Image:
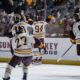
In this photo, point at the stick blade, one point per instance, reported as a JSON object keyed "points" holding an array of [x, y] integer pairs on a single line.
{"points": [[58, 59]]}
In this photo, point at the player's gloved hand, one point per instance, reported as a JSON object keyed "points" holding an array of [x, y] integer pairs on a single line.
{"points": [[73, 41], [42, 51]]}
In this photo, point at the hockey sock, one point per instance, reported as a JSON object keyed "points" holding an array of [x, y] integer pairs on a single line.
{"points": [[25, 71], [8, 71]]}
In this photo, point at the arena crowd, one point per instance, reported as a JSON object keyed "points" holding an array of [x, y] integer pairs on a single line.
{"points": [[61, 13]]}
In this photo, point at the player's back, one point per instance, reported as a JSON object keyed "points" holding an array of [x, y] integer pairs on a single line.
{"points": [[22, 24], [22, 44], [39, 29]]}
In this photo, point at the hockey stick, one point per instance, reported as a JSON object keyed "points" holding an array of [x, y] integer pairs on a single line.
{"points": [[64, 53]]}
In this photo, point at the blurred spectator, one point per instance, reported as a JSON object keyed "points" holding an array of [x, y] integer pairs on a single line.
{"points": [[19, 5], [2, 21], [8, 24], [61, 6], [54, 27], [40, 9], [29, 2], [77, 2], [52, 18], [68, 23], [70, 5], [34, 2], [59, 2], [7, 5]]}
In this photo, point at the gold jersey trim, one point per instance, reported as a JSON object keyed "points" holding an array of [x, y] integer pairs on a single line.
{"points": [[23, 51], [39, 35]]}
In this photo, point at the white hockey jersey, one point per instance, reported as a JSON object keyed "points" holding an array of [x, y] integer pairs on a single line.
{"points": [[39, 29], [21, 24], [22, 45], [76, 31]]}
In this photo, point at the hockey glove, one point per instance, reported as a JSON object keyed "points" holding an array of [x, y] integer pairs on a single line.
{"points": [[42, 51], [72, 41]]}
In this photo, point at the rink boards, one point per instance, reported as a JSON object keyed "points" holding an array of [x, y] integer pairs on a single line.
{"points": [[55, 47]]}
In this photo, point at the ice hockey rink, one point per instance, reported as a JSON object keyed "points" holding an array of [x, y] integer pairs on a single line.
{"points": [[45, 72]]}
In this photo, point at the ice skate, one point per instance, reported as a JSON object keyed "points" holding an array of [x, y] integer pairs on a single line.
{"points": [[6, 78], [25, 76]]}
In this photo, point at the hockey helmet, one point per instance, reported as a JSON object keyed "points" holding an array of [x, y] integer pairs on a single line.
{"points": [[30, 21]]}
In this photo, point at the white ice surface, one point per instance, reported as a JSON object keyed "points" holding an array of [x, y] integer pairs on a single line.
{"points": [[44, 72]]}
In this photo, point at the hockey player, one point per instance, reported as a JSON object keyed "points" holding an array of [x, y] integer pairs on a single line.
{"points": [[20, 22], [22, 44], [39, 31], [76, 31]]}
